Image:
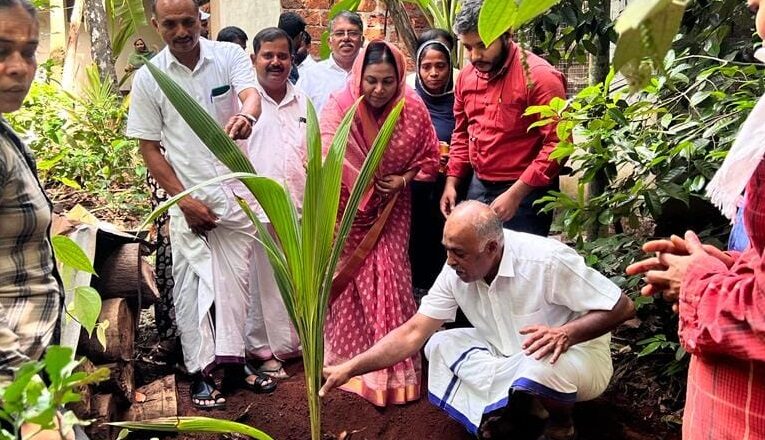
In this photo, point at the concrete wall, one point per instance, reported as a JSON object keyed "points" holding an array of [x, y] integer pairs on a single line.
{"points": [[250, 15]]}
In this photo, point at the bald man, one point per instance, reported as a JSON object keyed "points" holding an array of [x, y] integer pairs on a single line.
{"points": [[541, 322]]}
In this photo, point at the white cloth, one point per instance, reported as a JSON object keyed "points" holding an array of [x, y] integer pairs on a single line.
{"points": [[152, 117], [214, 269], [539, 281], [320, 80], [277, 150], [277, 146], [727, 185], [269, 329], [307, 62]]}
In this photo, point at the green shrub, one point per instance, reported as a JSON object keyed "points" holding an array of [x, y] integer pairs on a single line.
{"points": [[79, 143]]}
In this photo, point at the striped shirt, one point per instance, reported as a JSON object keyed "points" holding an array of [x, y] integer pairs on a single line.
{"points": [[29, 287], [722, 324]]}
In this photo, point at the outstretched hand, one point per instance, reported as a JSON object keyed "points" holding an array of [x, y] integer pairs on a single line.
{"points": [[336, 375], [544, 340]]}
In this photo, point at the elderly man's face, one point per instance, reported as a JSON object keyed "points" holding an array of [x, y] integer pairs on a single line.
{"points": [[19, 34], [177, 21], [345, 40], [464, 252]]}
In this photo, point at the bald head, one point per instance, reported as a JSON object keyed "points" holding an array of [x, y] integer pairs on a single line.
{"points": [[474, 217], [161, 4], [474, 241]]}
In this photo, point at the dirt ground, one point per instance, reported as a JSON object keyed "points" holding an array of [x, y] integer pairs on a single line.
{"points": [[284, 416], [622, 412]]}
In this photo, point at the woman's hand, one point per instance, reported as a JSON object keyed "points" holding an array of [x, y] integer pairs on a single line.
{"points": [[390, 184]]}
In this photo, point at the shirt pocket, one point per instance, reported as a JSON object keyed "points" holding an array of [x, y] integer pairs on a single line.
{"points": [[528, 319], [225, 104], [508, 118]]}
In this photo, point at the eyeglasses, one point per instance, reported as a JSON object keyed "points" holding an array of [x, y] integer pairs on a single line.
{"points": [[353, 35]]}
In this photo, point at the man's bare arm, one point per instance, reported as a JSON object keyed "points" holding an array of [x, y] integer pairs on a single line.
{"points": [[401, 343], [199, 217]]}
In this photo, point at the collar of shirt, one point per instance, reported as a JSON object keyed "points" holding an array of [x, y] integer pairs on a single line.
{"points": [[289, 97], [205, 54], [511, 55], [332, 64]]}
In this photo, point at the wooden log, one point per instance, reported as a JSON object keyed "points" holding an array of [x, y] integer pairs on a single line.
{"points": [[104, 411], [157, 399], [126, 274], [121, 382], [120, 335]]}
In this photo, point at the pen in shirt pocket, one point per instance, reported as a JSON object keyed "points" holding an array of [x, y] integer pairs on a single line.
{"points": [[217, 91]]}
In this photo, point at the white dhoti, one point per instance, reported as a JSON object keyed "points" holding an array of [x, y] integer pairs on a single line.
{"points": [[212, 270], [468, 378], [270, 333]]}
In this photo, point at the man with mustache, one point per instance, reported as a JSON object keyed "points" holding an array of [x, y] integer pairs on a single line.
{"points": [[212, 239], [510, 163], [540, 330], [277, 149], [345, 39]]}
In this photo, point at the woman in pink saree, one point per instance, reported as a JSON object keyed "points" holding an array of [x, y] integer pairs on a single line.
{"points": [[373, 296]]}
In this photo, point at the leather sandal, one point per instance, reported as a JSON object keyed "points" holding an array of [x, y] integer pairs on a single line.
{"points": [[203, 389]]}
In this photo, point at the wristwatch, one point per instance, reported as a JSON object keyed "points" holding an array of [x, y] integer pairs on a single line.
{"points": [[249, 117]]}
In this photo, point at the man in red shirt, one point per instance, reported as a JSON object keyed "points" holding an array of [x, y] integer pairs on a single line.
{"points": [[511, 164]]}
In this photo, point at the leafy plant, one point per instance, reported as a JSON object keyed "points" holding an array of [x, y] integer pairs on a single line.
{"points": [[80, 144], [646, 30], [439, 13], [27, 399], [304, 252]]}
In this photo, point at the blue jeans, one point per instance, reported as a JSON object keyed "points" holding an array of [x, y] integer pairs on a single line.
{"points": [[527, 218]]}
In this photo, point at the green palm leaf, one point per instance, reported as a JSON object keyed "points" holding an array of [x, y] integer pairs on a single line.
{"points": [[303, 252], [195, 424]]}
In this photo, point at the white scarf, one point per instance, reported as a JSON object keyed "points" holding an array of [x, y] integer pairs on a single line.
{"points": [[743, 158]]}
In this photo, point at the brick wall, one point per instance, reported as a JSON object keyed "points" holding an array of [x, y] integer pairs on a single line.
{"points": [[377, 25]]}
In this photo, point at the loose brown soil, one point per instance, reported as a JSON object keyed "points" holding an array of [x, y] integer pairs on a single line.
{"points": [[284, 416]]}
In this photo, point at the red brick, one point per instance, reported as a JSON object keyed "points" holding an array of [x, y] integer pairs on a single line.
{"points": [[318, 4], [293, 4], [313, 17], [367, 6]]}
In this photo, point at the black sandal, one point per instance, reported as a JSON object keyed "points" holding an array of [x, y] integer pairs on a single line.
{"points": [[236, 377], [263, 382], [203, 389]]}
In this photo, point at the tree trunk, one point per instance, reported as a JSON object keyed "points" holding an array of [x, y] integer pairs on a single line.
{"points": [[70, 60], [104, 411], [100, 44], [126, 274], [57, 30], [121, 381], [403, 25], [120, 335], [600, 65]]}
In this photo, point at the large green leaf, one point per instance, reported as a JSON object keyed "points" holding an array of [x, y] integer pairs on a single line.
{"points": [[86, 307], [646, 31], [70, 254], [500, 16], [195, 425]]}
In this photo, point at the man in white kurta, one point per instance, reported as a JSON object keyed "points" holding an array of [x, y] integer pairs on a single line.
{"points": [[319, 80], [540, 320], [211, 237], [277, 150]]}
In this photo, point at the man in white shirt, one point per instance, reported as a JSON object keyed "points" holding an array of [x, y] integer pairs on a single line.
{"points": [[345, 39], [541, 319], [211, 242], [277, 150]]}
